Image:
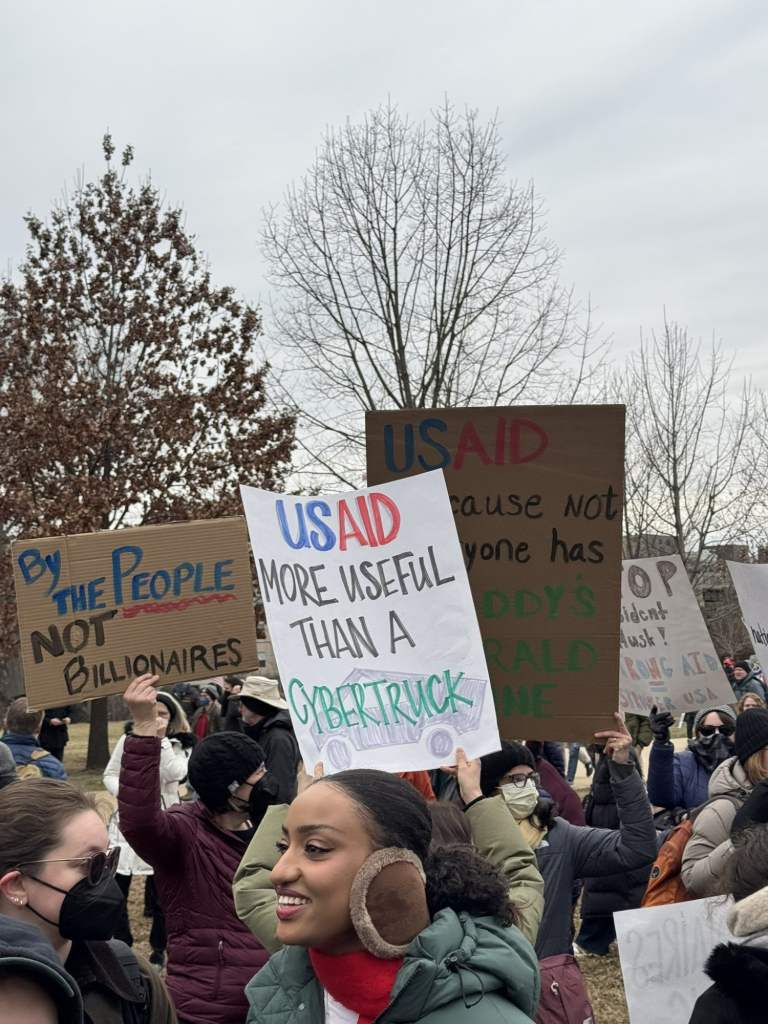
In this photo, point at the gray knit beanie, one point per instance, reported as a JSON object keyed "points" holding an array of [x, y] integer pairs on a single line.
{"points": [[721, 709]]}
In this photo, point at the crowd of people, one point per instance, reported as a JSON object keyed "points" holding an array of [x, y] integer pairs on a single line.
{"points": [[470, 893]]}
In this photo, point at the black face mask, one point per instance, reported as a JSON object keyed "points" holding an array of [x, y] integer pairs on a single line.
{"points": [[264, 794], [710, 751], [88, 911]]}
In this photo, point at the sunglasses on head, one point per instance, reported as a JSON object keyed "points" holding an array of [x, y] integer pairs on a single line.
{"points": [[99, 864], [710, 730]]}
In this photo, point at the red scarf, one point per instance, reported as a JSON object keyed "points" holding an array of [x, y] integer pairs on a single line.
{"points": [[359, 981], [201, 726]]}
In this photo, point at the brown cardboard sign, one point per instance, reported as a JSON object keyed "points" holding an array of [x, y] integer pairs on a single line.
{"points": [[536, 493], [97, 609]]}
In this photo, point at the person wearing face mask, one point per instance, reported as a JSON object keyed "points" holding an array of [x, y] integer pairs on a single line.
{"points": [[266, 719], [194, 849], [377, 926], [565, 852], [173, 770], [730, 787], [57, 873], [682, 779], [208, 719]]}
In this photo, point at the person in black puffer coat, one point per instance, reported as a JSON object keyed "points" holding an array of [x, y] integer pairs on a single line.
{"points": [[602, 897]]}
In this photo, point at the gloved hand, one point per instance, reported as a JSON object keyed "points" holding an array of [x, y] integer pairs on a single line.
{"points": [[660, 722], [754, 811]]}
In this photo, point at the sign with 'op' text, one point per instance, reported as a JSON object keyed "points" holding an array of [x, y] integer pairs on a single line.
{"points": [[371, 618], [667, 658], [536, 497], [97, 609]]}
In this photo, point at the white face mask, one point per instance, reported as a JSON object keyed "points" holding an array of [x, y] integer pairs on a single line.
{"points": [[520, 801]]}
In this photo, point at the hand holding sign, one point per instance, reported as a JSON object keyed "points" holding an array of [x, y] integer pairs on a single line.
{"points": [[141, 698], [467, 774], [618, 741]]}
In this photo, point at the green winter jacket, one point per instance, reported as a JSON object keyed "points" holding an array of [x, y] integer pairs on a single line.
{"points": [[496, 834], [459, 970]]}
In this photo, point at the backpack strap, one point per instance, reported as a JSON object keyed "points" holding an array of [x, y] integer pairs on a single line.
{"points": [[133, 1013], [693, 815]]}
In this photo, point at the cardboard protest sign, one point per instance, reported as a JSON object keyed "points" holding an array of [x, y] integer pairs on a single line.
{"points": [[97, 609], [536, 496], [371, 617], [751, 583], [662, 952], [667, 658]]}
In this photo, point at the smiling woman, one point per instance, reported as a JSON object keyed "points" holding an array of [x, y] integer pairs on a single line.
{"points": [[360, 937]]}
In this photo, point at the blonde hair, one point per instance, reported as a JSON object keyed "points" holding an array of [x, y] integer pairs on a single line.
{"points": [[741, 706], [179, 721], [754, 768]]}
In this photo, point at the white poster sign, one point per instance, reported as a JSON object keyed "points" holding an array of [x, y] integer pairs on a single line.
{"points": [[751, 583], [373, 625], [667, 658], [663, 951]]}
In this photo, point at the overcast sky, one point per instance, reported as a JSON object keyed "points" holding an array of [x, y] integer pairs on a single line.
{"points": [[643, 126]]}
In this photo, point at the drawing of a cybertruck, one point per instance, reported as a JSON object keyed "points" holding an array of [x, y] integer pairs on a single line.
{"points": [[442, 729]]}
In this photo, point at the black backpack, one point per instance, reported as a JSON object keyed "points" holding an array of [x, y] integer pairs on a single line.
{"points": [[133, 1013]]}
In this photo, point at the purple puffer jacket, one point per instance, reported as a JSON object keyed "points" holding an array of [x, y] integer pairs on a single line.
{"points": [[211, 954]]}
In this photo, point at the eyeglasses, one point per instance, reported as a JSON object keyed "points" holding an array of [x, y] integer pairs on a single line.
{"points": [[99, 864], [710, 730], [520, 780]]}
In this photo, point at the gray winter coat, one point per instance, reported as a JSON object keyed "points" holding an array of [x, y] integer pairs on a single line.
{"points": [[710, 846], [749, 684], [571, 851]]}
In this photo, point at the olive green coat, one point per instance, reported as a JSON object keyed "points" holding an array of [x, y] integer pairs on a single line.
{"points": [[459, 970]]}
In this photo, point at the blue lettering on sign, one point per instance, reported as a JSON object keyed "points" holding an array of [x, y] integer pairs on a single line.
{"points": [[126, 584]]}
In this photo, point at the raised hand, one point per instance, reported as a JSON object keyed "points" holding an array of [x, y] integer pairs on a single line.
{"points": [[617, 741], [660, 722], [467, 774], [141, 698]]}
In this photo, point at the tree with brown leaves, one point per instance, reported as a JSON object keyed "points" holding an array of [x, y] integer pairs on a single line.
{"points": [[129, 394]]}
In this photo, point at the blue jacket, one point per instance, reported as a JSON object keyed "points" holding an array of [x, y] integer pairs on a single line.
{"points": [[676, 780], [22, 748]]}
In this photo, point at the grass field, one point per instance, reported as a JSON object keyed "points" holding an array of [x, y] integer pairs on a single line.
{"points": [[603, 974]]}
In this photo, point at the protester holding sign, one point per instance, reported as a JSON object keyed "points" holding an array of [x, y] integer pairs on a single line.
{"points": [[174, 754], [194, 848], [682, 779], [739, 969], [56, 872], [375, 925], [710, 846], [566, 852]]}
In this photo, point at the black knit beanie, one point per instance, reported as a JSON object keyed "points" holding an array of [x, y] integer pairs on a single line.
{"points": [[751, 732], [496, 765], [745, 665], [220, 764]]}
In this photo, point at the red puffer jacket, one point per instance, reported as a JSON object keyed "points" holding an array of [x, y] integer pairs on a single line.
{"points": [[211, 954]]}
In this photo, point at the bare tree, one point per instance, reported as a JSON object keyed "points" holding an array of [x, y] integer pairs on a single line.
{"points": [[691, 472], [412, 274]]}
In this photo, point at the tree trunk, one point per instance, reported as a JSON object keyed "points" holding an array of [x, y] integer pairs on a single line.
{"points": [[98, 735]]}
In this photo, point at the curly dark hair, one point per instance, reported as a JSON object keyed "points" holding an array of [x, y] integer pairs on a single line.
{"points": [[460, 878]]}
